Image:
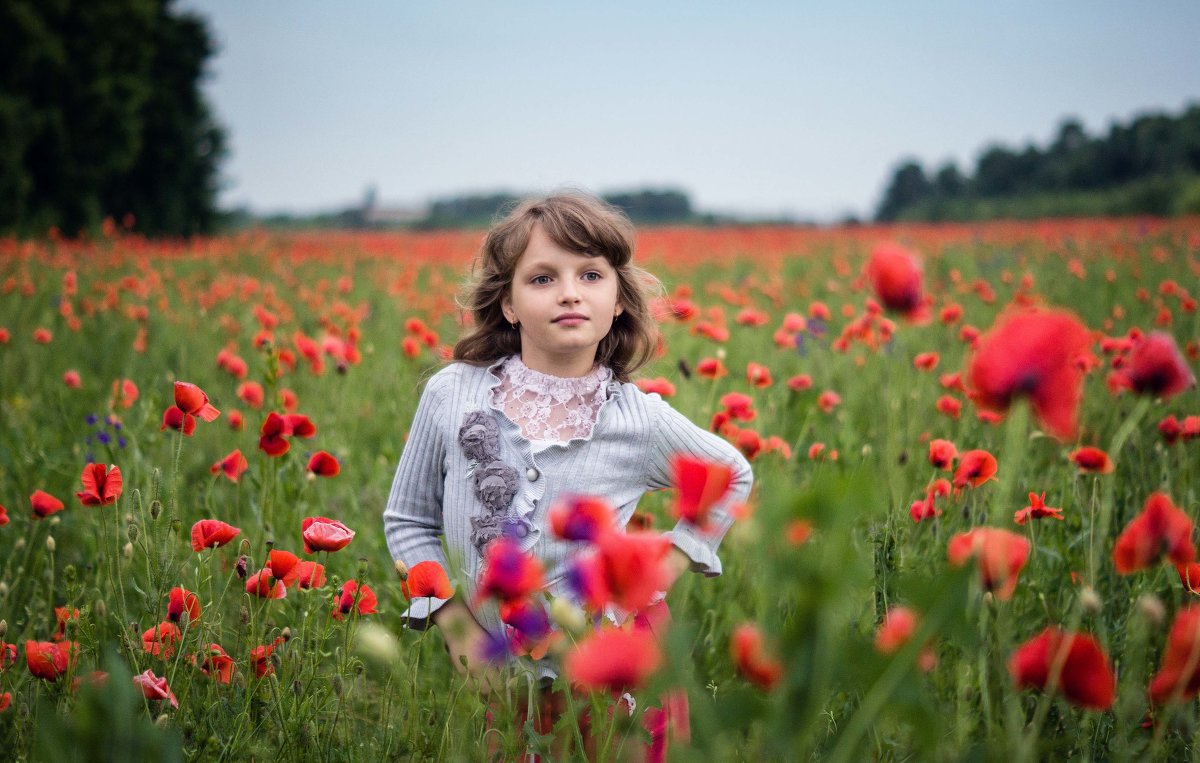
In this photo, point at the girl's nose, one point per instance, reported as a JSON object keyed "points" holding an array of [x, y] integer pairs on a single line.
{"points": [[569, 293]]}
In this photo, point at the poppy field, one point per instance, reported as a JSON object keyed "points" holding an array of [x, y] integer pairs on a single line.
{"points": [[976, 452]]}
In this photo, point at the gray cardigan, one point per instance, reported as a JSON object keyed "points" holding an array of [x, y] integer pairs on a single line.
{"points": [[433, 493]]}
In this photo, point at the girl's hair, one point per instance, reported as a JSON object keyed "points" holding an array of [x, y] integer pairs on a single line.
{"points": [[578, 223]]}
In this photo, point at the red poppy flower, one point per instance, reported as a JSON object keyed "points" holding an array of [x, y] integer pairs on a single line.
{"points": [[1178, 679], [5, 701], [1156, 366], [275, 431], [232, 466], [1160, 528], [738, 406], [264, 585], [215, 663], [8, 655], [310, 575], [72, 379], [324, 534], [701, 485], [1037, 509], [800, 382], [63, 615], [100, 485], [353, 596], [44, 504], [942, 454], [1084, 675], [1001, 556], [828, 400], [926, 361], [975, 467], [658, 386], [210, 533], [324, 465], [1170, 428], [895, 275], [260, 658], [173, 418], [1090, 459], [124, 393], [161, 639], [1032, 352], [632, 567], [949, 406], [284, 566], [181, 600], [749, 443], [614, 660], [508, 572], [191, 399], [49, 660], [898, 626], [251, 393], [3, 516], [42, 336], [154, 687], [581, 517], [711, 368], [752, 659], [758, 375], [425, 579], [300, 425]]}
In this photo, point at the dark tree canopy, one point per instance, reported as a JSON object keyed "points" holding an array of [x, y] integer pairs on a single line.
{"points": [[1149, 166], [101, 115]]}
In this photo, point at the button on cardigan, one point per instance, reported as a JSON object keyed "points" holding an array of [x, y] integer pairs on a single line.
{"points": [[433, 498]]}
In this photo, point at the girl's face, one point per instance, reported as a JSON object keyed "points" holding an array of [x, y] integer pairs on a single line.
{"points": [[564, 304]]}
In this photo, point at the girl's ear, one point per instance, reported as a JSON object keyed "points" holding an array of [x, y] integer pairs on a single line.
{"points": [[506, 308], [618, 309]]}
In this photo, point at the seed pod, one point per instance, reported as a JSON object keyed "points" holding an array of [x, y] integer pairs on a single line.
{"points": [[297, 687], [244, 615], [176, 525], [132, 532], [155, 509], [337, 685]]}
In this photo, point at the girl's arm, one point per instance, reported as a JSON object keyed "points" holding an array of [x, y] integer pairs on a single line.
{"points": [[412, 519], [673, 433]]}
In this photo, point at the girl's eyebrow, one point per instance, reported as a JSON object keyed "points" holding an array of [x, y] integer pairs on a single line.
{"points": [[589, 264]]}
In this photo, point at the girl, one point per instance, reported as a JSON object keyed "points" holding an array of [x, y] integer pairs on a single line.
{"points": [[539, 404]]}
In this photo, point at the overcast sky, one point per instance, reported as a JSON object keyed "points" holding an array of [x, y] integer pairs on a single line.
{"points": [[755, 107]]}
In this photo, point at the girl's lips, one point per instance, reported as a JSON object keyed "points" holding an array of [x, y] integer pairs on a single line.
{"points": [[571, 318]]}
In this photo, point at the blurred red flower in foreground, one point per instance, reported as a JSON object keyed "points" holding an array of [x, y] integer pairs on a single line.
{"points": [[1037, 509], [898, 626], [613, 659], [1032, 352], [1156, 367], [101, 486], [895, 275], [49, 660], [154, 687], [581, 517], [701, 484], [1090, 459], [192, 400], [751, 658], [427, 578], [626, 569], [324, 534], [508, 573], [210, 533], [44, 504], [1083, 673], [1178, 679], [1160, 528], [353, 596], [942, 454], [975, 467], [274, 433], [1001, 556]]}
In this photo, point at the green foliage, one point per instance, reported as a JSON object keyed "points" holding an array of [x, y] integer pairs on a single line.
{"points": [[101, 116]]}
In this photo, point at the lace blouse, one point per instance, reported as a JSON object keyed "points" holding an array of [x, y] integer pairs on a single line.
{"points": [[550, 409]]}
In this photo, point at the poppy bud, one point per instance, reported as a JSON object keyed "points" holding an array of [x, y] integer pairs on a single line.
{"points": [[401, 570], [567, 615], [297, 687], [377, 644], [69, 574], [127, 550], [176, 525], [240, 567], [287, 633], [100, 609], [3, 590], [50, 543], [337, 685], [20, 544], [162, 721], [1091, 600], [1152, 608], [132, 533], [3, 628], [244, 615], [155, 509]]}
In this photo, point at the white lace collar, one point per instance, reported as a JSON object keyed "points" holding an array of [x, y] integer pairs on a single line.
{"points": [[548, 407]]}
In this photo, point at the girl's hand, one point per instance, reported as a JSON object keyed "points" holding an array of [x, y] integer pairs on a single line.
{"points": [[676, 563], [465, 641]]}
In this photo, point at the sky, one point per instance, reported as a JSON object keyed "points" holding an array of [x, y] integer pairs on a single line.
{"points": [[799, 109]]}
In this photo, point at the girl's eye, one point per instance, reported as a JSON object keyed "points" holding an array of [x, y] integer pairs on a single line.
{"points": [[592, 275], [541, 280]]}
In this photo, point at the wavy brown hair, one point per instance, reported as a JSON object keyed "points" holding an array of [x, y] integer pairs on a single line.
{"points": [[579, 223]]}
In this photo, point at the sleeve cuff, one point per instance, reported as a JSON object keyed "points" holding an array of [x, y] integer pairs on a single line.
{"points": [[419, 611], [703, 558]]}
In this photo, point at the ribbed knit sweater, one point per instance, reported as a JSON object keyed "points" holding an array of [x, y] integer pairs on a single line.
{"points": [[433, 497]]}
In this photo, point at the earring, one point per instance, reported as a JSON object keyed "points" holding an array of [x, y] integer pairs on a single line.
{"points": [[513, 324]]}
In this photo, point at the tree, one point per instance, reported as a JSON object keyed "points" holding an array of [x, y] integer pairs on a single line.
{"points": [[909, 186], [101, 116]]}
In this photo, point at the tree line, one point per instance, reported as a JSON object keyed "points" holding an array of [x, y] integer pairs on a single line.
{"points": [[101, 116], [1151, 165]]}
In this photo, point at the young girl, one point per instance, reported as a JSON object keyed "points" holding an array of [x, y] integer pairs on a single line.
{"points": [[540, 404]]}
